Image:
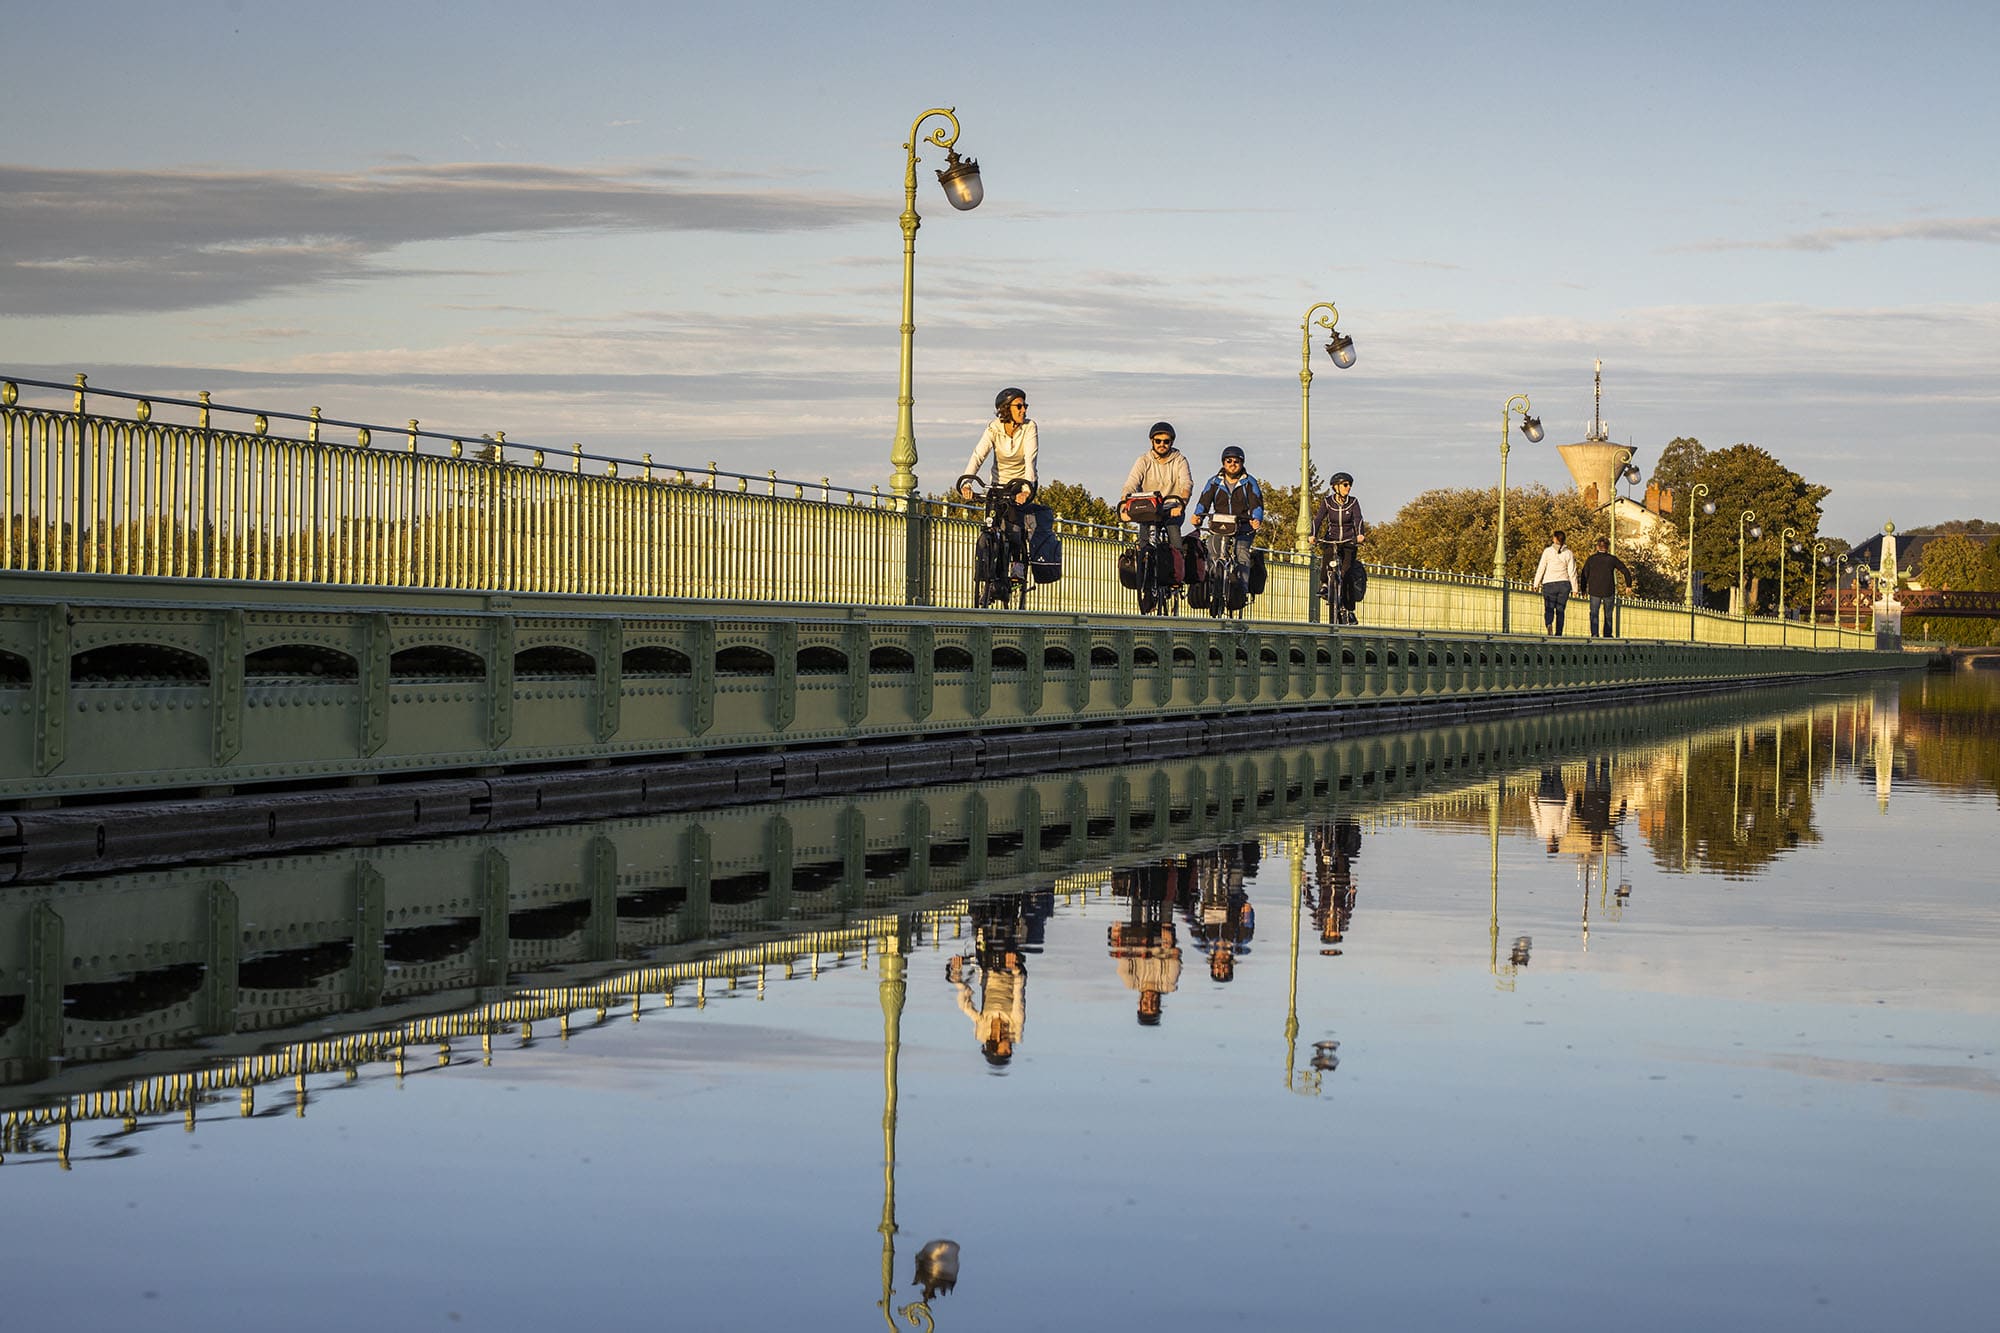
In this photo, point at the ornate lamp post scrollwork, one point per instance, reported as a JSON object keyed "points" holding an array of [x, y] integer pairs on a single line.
{"points": [[1695, 493], [962, 186], [1531, 426], [1743, 589], [1812, 587], [1340, 348], [1786, 546]]}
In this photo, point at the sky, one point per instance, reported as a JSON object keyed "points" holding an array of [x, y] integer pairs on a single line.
{"points": [[672, 229]]}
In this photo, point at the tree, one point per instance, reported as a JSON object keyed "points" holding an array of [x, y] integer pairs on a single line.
{"points": [[1738, 478], [1960, 563], [1453, 530], [1073, 501], [1281, 508]]}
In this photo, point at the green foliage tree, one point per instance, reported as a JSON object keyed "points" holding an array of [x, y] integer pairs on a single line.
{"points": [[1281, 508], [1957, 561], [1075, 502], [1738, 478], [1453, 530]]}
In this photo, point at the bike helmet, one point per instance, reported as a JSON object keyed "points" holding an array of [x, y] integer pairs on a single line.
{"points": [[1339, 477], [1165, 428], [1233, 451], [1006, 396]]}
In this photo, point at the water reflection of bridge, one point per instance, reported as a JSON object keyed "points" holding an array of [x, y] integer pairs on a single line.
{"points": [[410, 948]]}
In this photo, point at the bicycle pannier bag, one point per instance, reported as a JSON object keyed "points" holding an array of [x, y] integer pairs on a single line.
{"points": [[1143, 508], [1128, 568], [1045, 556]]}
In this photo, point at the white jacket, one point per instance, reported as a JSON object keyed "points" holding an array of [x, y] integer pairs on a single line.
{"points": [[1557, 565]]}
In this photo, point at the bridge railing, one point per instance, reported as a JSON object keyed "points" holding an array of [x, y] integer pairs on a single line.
{"points": [[216, 494]]}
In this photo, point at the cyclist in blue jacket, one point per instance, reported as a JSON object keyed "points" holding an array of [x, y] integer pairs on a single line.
{"points": [[1235, 492]]}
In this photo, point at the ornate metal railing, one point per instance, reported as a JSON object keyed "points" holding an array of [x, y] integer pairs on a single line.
{"points": [[215, 493]]}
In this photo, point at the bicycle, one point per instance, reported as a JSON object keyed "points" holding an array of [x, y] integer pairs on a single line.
{"points": [[1340, 571], [1228, 580], [1000, 551], [1159, 591]]}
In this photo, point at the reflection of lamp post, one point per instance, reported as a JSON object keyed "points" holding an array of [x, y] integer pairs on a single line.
{"points": [[1742, 588], [1298, 1080], [1341, 348], [894, 988], [1517, 958], [1532, 428], [962, 187]]}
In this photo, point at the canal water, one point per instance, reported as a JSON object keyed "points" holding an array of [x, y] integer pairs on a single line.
{"points": [[1648, 1018]]}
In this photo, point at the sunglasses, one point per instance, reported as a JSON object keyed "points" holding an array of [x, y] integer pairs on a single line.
{"points": [[1163, 439]]}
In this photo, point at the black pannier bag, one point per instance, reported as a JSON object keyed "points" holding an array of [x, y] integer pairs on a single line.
{"points": [[1259, 575], [1045, 555], [1357, 579], [1128, 568], [1197, 571]]}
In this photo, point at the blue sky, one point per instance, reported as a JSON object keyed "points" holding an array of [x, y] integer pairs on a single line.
{"points": [[672, 228]]}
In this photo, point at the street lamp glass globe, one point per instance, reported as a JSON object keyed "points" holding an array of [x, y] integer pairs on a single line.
{"points": [[1756, 530], [1341, 348], [1532, 428], [1708, 508], [961, 182]]}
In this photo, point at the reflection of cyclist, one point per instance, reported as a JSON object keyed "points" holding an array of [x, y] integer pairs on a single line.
{"points": [[1232, 491], [1144, 947], [1221, 919], [998, 952], [1334, 847], [1339, 531]]}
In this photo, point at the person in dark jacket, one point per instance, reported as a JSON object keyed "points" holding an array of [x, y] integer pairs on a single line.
{"points": [[1338, 530], [1235, 493], [1600, 583]]}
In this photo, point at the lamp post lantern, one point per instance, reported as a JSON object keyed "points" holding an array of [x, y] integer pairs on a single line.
{"points": [[962, 186], [1743, 589], [1340, 348], [1531, 426]]}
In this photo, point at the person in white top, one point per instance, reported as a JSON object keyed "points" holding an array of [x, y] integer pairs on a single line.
{"points": [[1010, 442], [1555, 575]]}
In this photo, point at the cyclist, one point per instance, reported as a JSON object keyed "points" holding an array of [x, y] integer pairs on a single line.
{"points": [[1010, 442], [1161, 471], [1339, 531], [1235, 493]]}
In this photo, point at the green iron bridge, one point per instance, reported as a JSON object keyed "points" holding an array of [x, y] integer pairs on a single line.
{"points": [[194, 602]]}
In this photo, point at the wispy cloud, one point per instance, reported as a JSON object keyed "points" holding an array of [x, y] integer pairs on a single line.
{"points": [[1975, 231], [100, 242]]}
